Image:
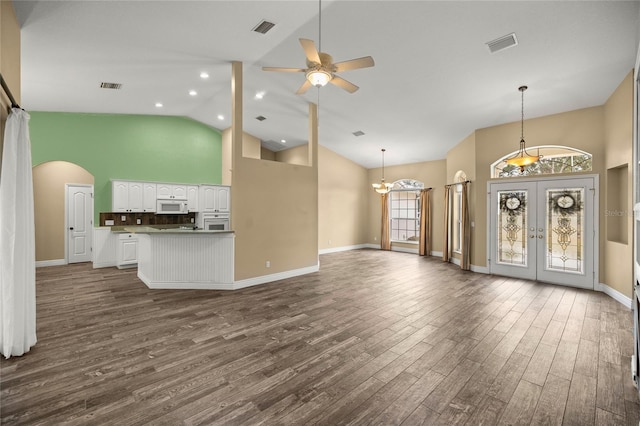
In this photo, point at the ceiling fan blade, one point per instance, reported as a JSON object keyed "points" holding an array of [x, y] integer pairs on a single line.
{"points": [[346, 85], [283, 69], [305, 86], [354, 64], [310, 50]]}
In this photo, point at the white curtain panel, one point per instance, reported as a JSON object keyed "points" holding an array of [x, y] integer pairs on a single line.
{"points": [[17, 240]]}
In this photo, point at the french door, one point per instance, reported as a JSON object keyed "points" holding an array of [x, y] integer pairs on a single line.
{"points": [[545, 230]]}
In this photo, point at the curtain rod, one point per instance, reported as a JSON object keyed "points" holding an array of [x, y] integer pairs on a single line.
{"points": [[14, 104], [457, 183]]}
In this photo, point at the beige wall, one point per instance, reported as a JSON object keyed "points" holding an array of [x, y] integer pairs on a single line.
{"points": [[432, 174], [618, 124], [227, 154], [582, 129], [9, 61], [49, 181], [343, 194], [297, 155], [274, 206]]}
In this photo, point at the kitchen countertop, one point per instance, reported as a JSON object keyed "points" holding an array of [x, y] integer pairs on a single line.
{"points": [[141, 229]]}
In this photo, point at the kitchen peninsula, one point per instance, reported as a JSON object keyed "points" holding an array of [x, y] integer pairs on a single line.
{"points": [[177, 258]]}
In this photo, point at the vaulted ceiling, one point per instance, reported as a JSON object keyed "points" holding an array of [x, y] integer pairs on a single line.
{"points": [[434, 82]]}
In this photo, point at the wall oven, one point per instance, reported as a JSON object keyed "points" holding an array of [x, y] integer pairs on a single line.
{"points": [[215, 222]]}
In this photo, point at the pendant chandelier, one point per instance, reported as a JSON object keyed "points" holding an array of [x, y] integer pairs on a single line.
{"points": [[522, 158], [382, 187]]}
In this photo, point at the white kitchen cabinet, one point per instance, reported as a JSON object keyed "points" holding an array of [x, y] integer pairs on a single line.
{"points": [[126, 196], [131, 197], [127, 251], [215, 198], [149, 197], [192, 198], [167, 191]]}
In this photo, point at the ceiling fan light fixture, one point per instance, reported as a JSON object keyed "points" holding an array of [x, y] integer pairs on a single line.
{"points": [[318, 78]]}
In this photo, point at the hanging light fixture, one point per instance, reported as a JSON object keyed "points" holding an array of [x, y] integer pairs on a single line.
{"points": [[382, 187], [522, 158]]}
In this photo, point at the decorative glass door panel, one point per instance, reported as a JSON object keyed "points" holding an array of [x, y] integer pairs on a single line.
{"points": [[512, 240], [543, 230], [565, 229]]}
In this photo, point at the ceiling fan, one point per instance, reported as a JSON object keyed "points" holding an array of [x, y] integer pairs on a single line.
{"points": [[321, 69]]}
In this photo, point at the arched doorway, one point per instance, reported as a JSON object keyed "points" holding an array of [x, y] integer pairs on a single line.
{"points": [[50, 182]]}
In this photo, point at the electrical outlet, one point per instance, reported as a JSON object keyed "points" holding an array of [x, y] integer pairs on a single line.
{"points": [[192, 220], [375, 238], [109, 223], [268, 264], [123, 218], [138, 221], [329, 242]]}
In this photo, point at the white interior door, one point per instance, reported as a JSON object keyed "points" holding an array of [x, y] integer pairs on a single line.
{"points": [[544, 230], [79, 223]]}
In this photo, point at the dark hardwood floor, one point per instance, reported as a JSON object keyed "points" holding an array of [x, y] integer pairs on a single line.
{"points": [[381, 338]]}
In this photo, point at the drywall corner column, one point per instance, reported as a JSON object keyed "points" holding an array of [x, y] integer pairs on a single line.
{"points": [[313, 136]]}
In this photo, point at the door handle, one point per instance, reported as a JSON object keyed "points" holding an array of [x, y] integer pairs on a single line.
{"points": [[541, 236], [532, 236], [71, 228]]}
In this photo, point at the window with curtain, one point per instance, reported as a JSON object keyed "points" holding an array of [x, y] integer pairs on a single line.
{"points": [[404, 211]]}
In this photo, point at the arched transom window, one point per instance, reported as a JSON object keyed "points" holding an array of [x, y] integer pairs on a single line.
{"points": [[553, 159]]}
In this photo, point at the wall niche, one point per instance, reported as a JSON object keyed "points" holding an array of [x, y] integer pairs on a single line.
{"points": [[616, 213]]}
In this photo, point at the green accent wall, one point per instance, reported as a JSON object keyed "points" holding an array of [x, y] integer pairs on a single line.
{"points": [[132, 147]]}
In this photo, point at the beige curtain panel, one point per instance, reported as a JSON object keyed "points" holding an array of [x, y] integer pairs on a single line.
{"points": [[385, 240], [425, 222], [446, 254], [465, 261]]}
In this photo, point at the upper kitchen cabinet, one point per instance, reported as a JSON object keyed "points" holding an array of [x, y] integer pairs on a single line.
{"points": [[133, 196], [126, 196], [170, 191], [215, 198], [192, 198], [149, 197]]}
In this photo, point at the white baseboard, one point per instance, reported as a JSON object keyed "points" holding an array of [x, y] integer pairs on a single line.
{"points": [[55, 262], [344, 248], [614, 294], [97, 265], [167, 285], [249, 282], [405, 249]]}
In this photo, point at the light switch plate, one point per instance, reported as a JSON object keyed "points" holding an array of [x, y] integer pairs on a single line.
{"points": [[138, 221], [123, 218]]}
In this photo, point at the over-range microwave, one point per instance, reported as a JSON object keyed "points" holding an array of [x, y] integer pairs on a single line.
{"points": [[171, 207]]}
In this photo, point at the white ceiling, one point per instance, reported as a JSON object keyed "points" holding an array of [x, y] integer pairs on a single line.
{"points": [[434, 82]]}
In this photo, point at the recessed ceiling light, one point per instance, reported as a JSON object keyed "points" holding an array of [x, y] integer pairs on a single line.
{"points": [[259, 95], [283, 141], [204, 75], [193, 92], [158, 104], [220, 117]]}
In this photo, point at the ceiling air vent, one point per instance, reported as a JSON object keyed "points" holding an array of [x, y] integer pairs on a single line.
{"points": [[502, 43], [261, 118], [263, 27], [116, 86], [358, 133]]}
